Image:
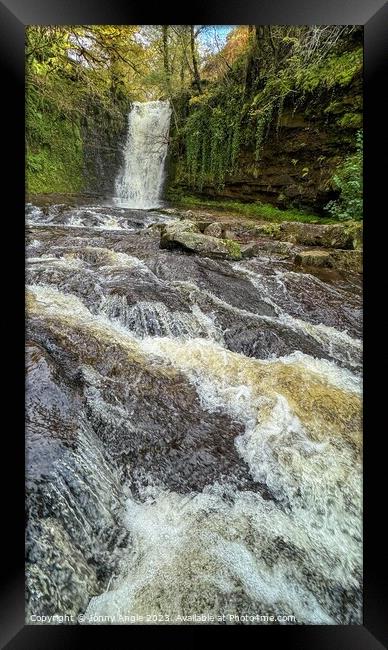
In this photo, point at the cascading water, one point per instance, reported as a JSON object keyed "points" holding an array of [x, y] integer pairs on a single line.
{"points": [[140, 182], [193, 433]]}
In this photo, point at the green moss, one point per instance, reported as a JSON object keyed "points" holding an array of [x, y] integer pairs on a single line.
{"points": [[54, 157], [335, 70], [233, 247], [346, 104], [259, 211], [212, 138], [224, 122], [350, 121], [355, 230], [348, 179], [270, 229]]}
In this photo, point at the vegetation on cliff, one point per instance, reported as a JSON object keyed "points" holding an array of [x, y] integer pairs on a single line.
{"points": [[273, 115], [349, 180], [272, 75], [73, 75]]}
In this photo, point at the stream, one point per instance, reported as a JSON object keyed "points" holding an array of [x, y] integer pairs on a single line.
{"points": [[193, 443], [193, 425]]}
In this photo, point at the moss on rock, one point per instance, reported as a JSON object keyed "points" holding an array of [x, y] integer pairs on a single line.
{"points": [[233, 248]]}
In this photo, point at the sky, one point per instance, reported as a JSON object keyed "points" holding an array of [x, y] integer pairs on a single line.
{"points": [[213, 37]]}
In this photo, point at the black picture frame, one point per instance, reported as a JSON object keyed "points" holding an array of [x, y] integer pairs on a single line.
{"points": [[14, 16]]}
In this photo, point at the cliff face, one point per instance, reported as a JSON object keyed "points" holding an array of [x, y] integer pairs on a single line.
{"points": [[299, 159], [83, 156], [299, 155], [103, 146]]}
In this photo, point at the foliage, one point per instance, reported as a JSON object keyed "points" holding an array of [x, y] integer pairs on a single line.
{"points": [[72, 73], [257, 210], [226, 100], [233, 248], [212, 138], [334, 70], [350, 120], [349, 181], [271, 66]]}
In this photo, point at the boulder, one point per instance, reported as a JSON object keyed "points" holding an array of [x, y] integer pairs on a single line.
{"points": [[186, 236], [171, 231], [215, 229], [355, 230], [255, 248], [250, 250], [314, 258], [281, 247], [309, 234], [268, 229]]}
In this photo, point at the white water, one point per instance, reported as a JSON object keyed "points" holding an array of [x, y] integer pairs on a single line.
{"points": [[140, 182], [140, 335]]}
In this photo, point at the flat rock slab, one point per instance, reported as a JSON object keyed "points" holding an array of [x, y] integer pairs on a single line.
{"points": [[255, 248], [313, 258]]}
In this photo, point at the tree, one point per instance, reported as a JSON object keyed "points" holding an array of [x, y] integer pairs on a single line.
{"points": [[197, 78], [165, 57]]}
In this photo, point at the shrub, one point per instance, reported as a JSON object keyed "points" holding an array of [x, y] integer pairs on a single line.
{"points": [[349, 181]]}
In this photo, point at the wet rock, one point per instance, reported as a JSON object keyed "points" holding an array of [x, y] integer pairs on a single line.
{"points": [[59, 579], [51, 403], [73, 507], [250, 250], [306, 297], [267, 339], [215, 276], [313, 258]]}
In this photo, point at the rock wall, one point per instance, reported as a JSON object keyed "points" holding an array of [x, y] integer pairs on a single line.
{"points": [[103, 151], [299, 155]]}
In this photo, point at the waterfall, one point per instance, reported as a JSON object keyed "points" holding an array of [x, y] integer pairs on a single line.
{"points": [[140, 181]]}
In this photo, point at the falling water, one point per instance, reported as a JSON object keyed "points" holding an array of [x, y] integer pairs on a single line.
{"points": [[140, 182]]}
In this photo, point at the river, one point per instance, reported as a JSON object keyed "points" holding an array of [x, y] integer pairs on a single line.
{"points": [[193, 440]]}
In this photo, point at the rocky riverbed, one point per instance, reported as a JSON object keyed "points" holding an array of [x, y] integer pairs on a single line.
{"points": [[193, 438]]}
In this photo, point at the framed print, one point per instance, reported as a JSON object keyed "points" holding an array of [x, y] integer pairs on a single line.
{"points": [[197, 449]]}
